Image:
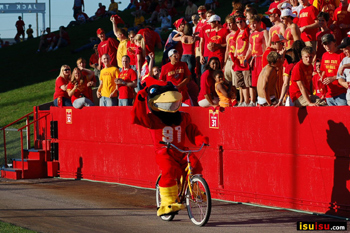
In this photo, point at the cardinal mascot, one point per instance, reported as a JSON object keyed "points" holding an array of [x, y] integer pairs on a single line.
{"points": [[157, 108]]}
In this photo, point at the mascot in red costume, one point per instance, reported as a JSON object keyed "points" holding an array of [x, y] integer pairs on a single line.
{"points": [[160, 114]]}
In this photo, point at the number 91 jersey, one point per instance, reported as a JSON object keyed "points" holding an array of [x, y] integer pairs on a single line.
{"points": [[176, 134]]}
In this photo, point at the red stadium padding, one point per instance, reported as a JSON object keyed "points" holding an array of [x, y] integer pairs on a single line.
{"points": [[284, 157]]}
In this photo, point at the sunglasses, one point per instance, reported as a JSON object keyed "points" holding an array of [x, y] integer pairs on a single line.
{"points": [[66, 69], [201, 13], [238, 22]]}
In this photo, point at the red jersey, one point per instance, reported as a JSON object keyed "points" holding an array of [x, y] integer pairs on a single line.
{"points": [[308, 16], [231, 42], [109, 46], [329, 64], [318, 87], [124, 91], [79, 92], [301, 72], [289, 37], [204, 34], [242, 45], [20, 25], [257, 42], [132, 53], [188, 48], [342, 16], [93, 59], [207, 85], [58, 91], [151, 39], [275, 30], [218, 37], [199, 28], [264, 58]]}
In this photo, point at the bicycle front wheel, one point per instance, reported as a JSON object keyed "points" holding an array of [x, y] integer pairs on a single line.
{"points": [[168, 217], [199, 202]]}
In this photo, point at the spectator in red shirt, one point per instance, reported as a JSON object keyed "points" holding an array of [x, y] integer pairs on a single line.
{"points": [[292, 32], [300, 88], [336, 94], [152, 39], [63, 39], [88, 76], [323, 18], [308, 23], [93, 62], [47, 41], [20, 29], [318, 87], [126, 83], [60, 97], [107, 45], [341, 20], [178, 74], [275, 18], [101, 11]]}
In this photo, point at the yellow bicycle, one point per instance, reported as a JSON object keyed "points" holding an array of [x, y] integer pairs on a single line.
{"points": [[193, 190]]}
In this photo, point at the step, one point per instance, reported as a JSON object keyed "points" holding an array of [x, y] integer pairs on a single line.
{"points": [[52, 168], [38, 154], [32, 168], [11, 173]]}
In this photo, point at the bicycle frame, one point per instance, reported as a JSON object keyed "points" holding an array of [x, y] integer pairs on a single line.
{"points": [[185, 179]]}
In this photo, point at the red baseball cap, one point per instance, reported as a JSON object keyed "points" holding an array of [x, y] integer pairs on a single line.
{"points": [[178, 22], [100, 31], [277, 38], [273, 11]]}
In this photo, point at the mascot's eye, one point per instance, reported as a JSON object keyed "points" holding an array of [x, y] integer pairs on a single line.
{"points": [[153, 90]]}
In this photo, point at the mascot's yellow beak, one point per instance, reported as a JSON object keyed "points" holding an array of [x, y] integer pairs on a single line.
{"points": [[169, 101]]}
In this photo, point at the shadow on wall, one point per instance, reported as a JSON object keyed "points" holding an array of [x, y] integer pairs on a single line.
{"points": [[338, 139]]}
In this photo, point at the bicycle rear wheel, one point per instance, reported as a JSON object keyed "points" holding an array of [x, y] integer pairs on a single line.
{"points": [[158, 201], [199, 203]]}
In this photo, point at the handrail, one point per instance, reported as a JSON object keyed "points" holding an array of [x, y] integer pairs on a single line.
{"points": [[4, 133], [16, 121], [33, 121], [45, 139]]}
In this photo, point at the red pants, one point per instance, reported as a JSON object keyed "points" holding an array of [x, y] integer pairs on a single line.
{"points": [[173, 165]]}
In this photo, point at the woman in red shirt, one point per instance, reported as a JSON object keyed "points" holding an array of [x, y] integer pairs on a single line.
{"points": [[207, 96], [60, 96], [77, 90]]}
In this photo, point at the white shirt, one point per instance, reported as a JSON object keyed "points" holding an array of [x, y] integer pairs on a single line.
{"points": [[346, 74]]}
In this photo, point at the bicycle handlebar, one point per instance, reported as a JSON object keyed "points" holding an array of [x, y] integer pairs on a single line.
{"points": [[169, 144]]}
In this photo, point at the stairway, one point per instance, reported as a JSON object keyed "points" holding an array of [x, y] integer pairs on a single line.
{"points": [[36, 165]]}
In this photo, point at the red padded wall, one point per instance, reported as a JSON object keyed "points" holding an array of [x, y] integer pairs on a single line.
{"points": [[285, 157]]}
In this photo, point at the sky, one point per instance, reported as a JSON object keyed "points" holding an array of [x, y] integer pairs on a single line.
{"points": [[61, 14]]}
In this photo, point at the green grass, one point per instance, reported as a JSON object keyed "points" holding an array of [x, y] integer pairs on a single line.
{"points": [[9, 228]]}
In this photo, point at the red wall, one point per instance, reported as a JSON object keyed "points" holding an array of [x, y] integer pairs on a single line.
{"points": [[286, 157]]}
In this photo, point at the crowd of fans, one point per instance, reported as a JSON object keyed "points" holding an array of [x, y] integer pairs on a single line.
{"points": [[296, 55]]}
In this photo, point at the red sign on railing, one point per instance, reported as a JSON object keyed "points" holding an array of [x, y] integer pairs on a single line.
{"points": [[214, 119]]}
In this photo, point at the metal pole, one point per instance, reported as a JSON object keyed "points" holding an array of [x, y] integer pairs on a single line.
{"points": [[22, 154], [5, 156], [50, 13], [37, 23]]}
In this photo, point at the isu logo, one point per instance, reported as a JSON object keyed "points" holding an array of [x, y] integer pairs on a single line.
{"points": [[214, 38], [69, 116]]}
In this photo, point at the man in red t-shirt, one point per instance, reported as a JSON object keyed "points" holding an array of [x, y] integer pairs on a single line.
{"points": [[20, 29], [178, 74], [300, 88], [107, 45], [335, 95], [217, 39], [204, 38], [126, 83], [308, 23], [47, 41]]}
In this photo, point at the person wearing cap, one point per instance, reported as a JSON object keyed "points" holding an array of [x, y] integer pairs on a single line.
{"points": [[301, 78], [204, 38], [341, 19], [343, 74], [257, 45], [178, 74], [286, 5], [292, 32], [170, 43], [308, 23], [107, 91], [277, 44], [217, 39], [275, 18], [241, 66], [201, 23], [107, 45], [266, 84], [323, 18], [335, 95]]}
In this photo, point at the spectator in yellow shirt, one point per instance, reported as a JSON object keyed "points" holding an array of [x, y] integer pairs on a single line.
{"points": [[122, 36], [113, 8]]}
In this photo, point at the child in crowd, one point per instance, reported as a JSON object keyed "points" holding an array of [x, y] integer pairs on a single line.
{"points": [[223, 90], [319, 89]]}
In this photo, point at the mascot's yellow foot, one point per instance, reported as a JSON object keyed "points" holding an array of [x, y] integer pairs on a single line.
{"points": [[168, 198], [172, 208]]}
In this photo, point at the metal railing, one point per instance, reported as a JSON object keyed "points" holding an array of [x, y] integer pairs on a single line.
{"points": [[45, 138], [28, 134]]}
